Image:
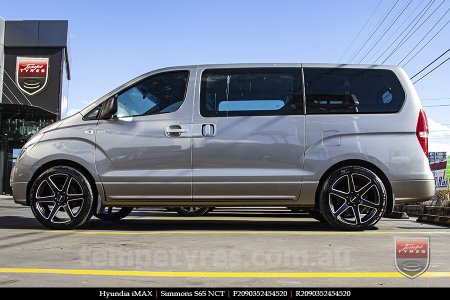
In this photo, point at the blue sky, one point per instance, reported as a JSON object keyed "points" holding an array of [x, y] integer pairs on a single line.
{"points": [[113, 41]]}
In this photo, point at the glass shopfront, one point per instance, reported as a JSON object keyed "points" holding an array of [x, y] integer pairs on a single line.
{"points": [[18, 124]]}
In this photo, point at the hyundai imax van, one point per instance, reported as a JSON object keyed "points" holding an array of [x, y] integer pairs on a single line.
{"points": [[343, 141]]}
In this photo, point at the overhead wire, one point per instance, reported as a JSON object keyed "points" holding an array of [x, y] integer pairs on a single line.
{"points": [[401, 12], [395, 32], [409, 34], [364, 44], [415, 75], [360, 31], [420, 50], [434, 69]]}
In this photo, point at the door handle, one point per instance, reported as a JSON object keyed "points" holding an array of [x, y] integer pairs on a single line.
{"points": [[208, 130], [175, 131]]}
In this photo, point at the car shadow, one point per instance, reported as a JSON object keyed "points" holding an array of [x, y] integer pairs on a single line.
{"points": [[172, 222]]}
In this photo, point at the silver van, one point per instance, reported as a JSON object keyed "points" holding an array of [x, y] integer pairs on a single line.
{"points": [[344, 141]]}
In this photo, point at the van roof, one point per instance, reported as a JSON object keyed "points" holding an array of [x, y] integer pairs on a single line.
{"points": [[267, 65]]}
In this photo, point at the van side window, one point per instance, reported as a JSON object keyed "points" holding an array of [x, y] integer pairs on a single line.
{"points": [[251, 92], [157, 94], [344, 91]]}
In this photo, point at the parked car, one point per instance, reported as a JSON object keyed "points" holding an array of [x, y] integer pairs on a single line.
{"points": [[344, 141]]}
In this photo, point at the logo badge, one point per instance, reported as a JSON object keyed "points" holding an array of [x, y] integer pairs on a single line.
{"points": [[31, 74], [412, 255]]}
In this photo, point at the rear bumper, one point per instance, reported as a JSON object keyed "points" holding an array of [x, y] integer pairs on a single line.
{"points": [[19, 191], [413, 191]]}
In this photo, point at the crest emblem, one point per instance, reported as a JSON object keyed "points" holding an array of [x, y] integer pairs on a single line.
{"points": [[31, 74], [412, 255]]}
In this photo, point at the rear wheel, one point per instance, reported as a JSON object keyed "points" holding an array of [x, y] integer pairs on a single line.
{"points": [[191, 211], [61, 198], [113, 213], [352, 198]]}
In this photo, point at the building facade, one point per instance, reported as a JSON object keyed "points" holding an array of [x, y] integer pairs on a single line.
{"points": [[34, 74]]}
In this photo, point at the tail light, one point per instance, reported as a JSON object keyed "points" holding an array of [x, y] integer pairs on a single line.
{"points": [[422, 131]]}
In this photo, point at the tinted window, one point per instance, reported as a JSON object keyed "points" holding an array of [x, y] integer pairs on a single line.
{"points": [[244, 92], [158, 94], [352, 91]]}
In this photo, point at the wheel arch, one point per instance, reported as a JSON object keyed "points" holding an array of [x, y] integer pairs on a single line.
{"points": [[68, 163], [361, 163]]}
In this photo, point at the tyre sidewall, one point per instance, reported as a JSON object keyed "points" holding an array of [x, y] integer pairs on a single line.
{"points": [[86, 210], [325, 209]]}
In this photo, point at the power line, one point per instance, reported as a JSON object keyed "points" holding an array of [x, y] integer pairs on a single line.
{"points": [[430, 65], [409, 34], [387, 13], [435, 99], [429, 31], [413, 23], [445, 25], [402, 11], [436, 105], [432, 71], [364, 26], [395, 31]]}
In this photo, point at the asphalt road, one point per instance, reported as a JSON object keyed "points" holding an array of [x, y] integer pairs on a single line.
{"points": [[229, 247]]}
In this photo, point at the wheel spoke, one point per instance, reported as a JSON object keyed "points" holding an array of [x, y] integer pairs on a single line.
{"points": [[339, 194], [68, 211], [66, 185], [357, 215], [365, 189], [351, 183], [54, 211], [368, 204], [45, 199], [71, 197], [341, 210], [52, 185]]}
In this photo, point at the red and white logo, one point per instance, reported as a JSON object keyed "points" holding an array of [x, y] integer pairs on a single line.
{"points": [[412, 255], [32, 74]]}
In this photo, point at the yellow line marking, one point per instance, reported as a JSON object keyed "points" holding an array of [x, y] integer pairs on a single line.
{"points": [[245, 232], [220, 274]]}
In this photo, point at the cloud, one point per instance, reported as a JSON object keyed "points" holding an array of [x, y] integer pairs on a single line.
{"points": [[439, 137]]}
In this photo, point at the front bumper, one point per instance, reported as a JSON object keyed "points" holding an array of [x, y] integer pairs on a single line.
{"points": [[413, 191], [19, 192]]}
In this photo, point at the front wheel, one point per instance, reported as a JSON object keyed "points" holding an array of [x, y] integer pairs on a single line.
{"points": [[61, 198], [353, 198], [113, 213]]}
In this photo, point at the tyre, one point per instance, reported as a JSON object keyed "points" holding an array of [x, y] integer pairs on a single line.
{"points": [[62, 198], [192, 211], [113, 213], [317, 215], [352, 198]]}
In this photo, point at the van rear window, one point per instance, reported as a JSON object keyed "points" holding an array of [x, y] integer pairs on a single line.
{"points": [[344, 91]]}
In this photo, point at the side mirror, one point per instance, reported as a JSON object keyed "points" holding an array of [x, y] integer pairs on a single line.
{"points": [[109, 109]]}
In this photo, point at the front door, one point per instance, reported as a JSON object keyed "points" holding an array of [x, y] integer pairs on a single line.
{"points": [[249, 145], [145, 153]]}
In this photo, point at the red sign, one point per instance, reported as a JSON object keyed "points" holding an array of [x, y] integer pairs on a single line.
{"points": [[31, 74]]}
